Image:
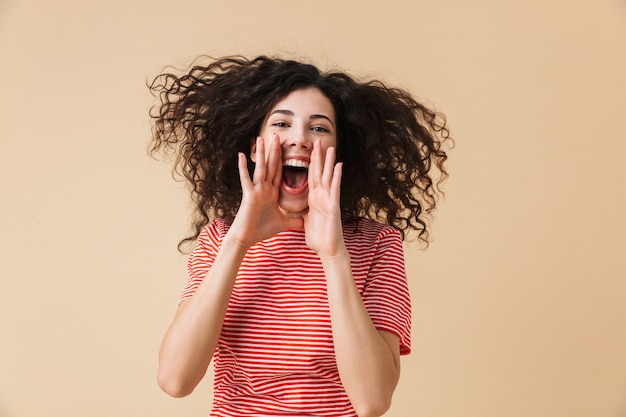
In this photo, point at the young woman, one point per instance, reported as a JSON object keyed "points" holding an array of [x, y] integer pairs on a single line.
{"points": [[305, 185]]}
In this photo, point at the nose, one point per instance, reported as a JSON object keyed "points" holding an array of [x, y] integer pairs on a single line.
{"points": [[299, 139]]}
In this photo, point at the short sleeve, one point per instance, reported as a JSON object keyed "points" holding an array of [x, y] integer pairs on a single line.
{"points": [[202, 256], [386, 292]]}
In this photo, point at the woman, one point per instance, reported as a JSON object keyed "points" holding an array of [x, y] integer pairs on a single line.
{"points": [[297, 288]]}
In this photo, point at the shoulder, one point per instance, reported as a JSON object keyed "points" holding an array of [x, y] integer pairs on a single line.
{"points": [[369, 228], [218, 226], [369, 233], [212, 234]]}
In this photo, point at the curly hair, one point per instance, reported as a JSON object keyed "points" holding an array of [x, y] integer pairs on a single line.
{"points": [[387, 140]]}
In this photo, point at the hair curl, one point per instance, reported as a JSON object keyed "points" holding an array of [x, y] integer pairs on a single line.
{"points": [[388, 141]]}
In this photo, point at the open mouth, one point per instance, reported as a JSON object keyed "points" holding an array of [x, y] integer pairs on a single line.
{"points": [[295, 174]]}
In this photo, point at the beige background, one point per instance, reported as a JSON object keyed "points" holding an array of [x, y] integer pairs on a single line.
{"points": [[520, 302]]}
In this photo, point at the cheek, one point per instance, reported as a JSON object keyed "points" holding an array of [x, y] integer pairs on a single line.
{"points": [[329, 142]]}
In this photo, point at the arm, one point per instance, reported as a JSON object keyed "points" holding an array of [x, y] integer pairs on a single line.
{"points": [[368, 360], [191, 339]]}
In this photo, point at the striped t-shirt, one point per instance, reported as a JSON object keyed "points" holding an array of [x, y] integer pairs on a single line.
{"points": [[275, 355]]}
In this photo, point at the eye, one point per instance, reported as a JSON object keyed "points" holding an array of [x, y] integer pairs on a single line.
{"points": [[280, 124], [320, 129]]}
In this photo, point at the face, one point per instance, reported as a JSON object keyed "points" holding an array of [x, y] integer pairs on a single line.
{"points": [[299, 119]]}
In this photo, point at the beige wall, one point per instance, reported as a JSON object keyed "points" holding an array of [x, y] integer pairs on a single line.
{"points": [[519, 302]]}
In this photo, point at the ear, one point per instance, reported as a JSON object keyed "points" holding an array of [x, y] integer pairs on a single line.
{"points": [[253, 149]]}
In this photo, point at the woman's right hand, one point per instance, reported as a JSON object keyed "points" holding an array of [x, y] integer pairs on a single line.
{"points": [[259, 216], [191, 339]]}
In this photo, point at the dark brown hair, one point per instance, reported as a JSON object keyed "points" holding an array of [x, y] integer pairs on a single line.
{"points": [[388, 142]]}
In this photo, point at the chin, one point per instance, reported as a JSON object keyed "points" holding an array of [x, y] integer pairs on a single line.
{"points": [[293, 205]]}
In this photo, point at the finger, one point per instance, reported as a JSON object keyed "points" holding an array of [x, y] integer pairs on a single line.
{"points": [[329, 165], [335, 186], [259, 169], [315, 166], [278, 175], [275, 161], [244, 175]]}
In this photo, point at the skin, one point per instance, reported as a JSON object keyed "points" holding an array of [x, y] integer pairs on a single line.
{"points": [[301, 125]]}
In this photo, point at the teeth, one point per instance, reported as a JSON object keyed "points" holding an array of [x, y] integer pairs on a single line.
{"points": [[297, 163]]}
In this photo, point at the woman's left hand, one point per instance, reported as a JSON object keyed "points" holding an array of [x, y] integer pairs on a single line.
{"points": [[322, 220]]}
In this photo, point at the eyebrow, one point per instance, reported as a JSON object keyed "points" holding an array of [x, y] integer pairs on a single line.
{"points": [[311, 117]]}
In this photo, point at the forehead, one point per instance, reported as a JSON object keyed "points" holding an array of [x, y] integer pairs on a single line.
{"points": [[306, 101]]}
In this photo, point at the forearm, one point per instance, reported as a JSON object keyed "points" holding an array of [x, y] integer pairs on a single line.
{"points": [[368, 367], [189, 343]]}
